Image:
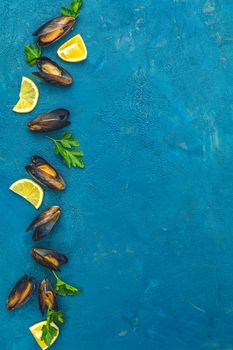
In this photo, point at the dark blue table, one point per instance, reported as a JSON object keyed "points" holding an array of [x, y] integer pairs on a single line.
{"points": [[148, 225]]}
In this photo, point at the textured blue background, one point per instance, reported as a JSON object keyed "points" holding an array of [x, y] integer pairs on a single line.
{"points": [[148, 224]]}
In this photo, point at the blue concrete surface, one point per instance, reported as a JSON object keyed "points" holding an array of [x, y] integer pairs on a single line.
{"points": [[148, 224]]}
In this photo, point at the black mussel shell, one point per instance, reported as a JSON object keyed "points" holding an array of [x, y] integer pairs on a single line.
{"points": [[52, 73], [21, 293], [54, 30], [52, 79], [45, 173], [49, 258], [44, 223], [51, 121], [47, 296]]}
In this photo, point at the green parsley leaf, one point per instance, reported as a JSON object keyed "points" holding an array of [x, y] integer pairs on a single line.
{"points": [[66, 12], [56, 316], [67, 135], [66, 148], [48, 330], [32, 53], [48, 333], [68, 141], [73, 9], [65, 289]]}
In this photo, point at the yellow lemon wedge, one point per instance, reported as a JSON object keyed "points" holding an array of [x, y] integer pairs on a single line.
{"points": [[36, 331], [28, 96], [29, 190], [73, 50]]}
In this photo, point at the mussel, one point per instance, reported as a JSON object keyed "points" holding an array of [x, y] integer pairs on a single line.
{"points": [[52, 73], [45, 173], [47, 296], [21, 293], [49, 258], [54, 30], [51, 121], [44, 223]]}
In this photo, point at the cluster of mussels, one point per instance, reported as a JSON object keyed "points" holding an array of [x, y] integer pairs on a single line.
{"points": [[50, 71], [46, 174]]}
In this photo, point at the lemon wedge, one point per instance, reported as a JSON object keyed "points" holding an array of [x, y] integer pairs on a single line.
{"points": [[36, 331], [73, 50], [29, 190], [28, 96]]}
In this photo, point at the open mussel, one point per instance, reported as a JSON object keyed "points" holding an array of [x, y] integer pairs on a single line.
{"points": [[51, 121], [49, 258], [52, 73], [21, 293], [54, 30], [44, 223], [47, 296], [45, 173]]}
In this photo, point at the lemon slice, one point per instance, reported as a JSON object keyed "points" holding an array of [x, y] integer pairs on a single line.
{"points": [[36, 331], [29, 190], [74, 50], [28, 96]]}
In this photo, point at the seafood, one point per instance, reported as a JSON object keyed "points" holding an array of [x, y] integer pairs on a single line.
{"points": [[49, 258], [44, 223], [52, 73], [54, 30], [47, 296], [21, 293], [50, 121], [45, 173]]}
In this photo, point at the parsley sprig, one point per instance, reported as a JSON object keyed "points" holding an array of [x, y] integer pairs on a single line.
{"points": [[67, 148], [48, 330], [73, 9], [32, 53], [64, 289]]}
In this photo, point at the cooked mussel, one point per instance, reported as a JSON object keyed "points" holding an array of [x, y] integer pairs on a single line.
{"points": [[52, 73], [49, 258], [47, 296], [45, 173], [21, 293], [44, 223], [54, 30], [51, 121]]}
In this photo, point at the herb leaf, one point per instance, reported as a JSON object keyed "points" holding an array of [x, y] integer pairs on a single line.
{"points": [[65, 289], [48, 333], [67, 135], [66, 12], [73, 9], [66, 148], [32, 53], [48, 330], [56, 316]]}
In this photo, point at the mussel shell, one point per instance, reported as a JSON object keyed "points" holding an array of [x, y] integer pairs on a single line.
{"points": [[49, 258], [45, 173], [51, 121], [21, 293], [54, 30], [52, 79], [47, 296], [52, 73], [44, 223]]}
